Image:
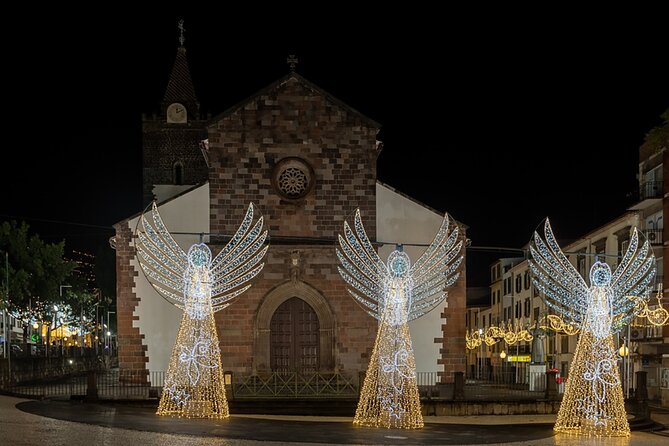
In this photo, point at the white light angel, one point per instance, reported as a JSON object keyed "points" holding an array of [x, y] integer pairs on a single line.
{"points": [[593, 401], [200, 286], [395, 293]]}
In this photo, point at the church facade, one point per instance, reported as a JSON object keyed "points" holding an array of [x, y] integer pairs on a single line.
{"points": [[307, 161]]}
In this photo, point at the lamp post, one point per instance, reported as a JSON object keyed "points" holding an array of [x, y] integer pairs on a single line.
{"points": [[502, 356], [62, 347], [624, 352], [109, 331], [5, 321], [481, 356]]}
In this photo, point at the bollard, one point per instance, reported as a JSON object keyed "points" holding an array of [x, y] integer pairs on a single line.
{"points": [[551, 385], [92, 388], [459, 386], [641, 409]]}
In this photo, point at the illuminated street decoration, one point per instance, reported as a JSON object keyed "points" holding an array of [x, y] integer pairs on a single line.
{"points": [[556, 323], [200, 286], [593, 401], [395, 293], [511, 333], [657, 316]]}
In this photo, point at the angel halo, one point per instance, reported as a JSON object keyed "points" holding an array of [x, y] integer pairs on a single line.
{"points": [[200, 286], [395, 293], [593, 401]]}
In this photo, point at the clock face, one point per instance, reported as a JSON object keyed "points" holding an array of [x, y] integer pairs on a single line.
{"points": [[176, 113]]}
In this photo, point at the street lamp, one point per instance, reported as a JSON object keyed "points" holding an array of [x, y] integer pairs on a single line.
{"points": [[109, 342], [624, 352], [62, 352], [481, 354], [502, 356]]}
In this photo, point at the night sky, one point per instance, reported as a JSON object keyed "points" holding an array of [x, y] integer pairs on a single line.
{"points": [[499, 122]]}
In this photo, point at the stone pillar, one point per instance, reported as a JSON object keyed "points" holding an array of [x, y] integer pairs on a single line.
{"points": [[453, 339], [131, 352]]}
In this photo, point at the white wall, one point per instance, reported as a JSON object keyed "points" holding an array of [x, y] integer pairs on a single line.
{"points": [[401, 220], [160, 319]]}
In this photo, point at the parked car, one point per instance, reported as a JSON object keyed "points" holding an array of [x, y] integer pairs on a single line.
{"points": [[16, 350]]}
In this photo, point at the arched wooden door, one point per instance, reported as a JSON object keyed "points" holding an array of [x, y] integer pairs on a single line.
{"points": [[294, 337]]}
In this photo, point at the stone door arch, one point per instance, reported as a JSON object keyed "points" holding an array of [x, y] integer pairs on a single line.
{"points": [[272, 301]]}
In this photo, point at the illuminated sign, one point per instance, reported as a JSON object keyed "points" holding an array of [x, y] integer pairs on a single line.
{"points": [[519, 358]]}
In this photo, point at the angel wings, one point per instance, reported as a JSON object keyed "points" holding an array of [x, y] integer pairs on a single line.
{"points": [[566, 291], [421, 286], [193, 281]]}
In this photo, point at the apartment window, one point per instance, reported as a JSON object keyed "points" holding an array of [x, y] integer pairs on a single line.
{"points": [[564, 341], [527, 307], [519, 284], [178, 173], [536, 313], [527, 280]]}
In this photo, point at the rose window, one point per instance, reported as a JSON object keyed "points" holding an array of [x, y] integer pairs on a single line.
{"points": [[292, 178]]}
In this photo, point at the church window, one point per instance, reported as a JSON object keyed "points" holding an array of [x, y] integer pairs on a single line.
{"points": [[292, 178], [178, 173]]}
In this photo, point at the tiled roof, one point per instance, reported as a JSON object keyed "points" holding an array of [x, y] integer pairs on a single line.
{"points": [[180, 86]]}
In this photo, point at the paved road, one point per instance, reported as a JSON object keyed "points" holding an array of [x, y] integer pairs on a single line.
{"points": [[141, 427]]}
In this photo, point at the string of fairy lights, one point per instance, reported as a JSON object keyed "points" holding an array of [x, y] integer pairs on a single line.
{"points": [[395, 293], [513, 332], [593, 403], [199, 285]]}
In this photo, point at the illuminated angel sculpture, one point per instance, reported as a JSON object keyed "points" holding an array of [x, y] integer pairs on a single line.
{"points": [[200, 286], [395, 293], [593, 400]]}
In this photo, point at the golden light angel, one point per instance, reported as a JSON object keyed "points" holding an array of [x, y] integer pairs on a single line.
{"points": [[593, 401], [395, 293], [200, 286]]}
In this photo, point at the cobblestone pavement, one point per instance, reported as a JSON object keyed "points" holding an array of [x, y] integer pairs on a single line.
{"points": [[18, 427]]}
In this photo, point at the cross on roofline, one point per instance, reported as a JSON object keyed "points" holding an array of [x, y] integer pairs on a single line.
{"points": [[292, 62]]}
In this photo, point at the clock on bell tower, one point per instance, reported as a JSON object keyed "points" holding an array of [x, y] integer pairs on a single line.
{"points": [[177, 113], [172, 160]]}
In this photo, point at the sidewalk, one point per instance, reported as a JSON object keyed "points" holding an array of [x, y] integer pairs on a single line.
{"points": [[128, 424]]}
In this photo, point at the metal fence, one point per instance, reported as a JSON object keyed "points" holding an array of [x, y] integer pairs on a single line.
{"points": [[110, 384], [499, 385], [294, 385]]}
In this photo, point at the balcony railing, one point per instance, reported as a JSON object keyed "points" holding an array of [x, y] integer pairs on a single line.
{"points": [[654, 236], [650, 189]]}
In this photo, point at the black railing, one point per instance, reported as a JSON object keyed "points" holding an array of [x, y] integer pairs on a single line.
{"points": [[294, 385], [650, 189], [654, 236], [500, 383]]}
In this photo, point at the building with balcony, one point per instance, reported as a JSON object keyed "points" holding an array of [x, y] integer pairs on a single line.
{"points": [[516, 302], [652, 205]]}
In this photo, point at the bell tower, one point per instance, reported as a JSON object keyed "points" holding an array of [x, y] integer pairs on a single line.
{"points": [[172, 160]]}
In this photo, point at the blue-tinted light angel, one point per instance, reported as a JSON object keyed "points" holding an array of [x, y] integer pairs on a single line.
{"points": [[395, 293], [200, 286], [593, 401]]}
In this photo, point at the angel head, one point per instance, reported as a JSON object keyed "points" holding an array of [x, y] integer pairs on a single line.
{"points": [[600, 274], [199, 256], [399, 264]]}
